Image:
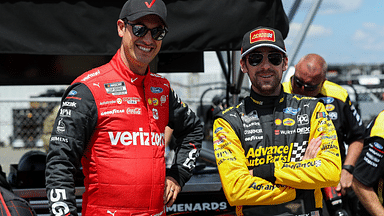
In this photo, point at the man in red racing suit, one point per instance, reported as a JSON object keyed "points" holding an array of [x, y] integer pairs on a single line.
{"points": [[112, 118]]}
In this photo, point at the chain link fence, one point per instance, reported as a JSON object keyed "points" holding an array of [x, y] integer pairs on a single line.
{"points": [[25, 121], [22, 121]]}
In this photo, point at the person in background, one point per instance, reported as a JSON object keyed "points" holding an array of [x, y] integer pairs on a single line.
{"points": [[112, 120], [10, 203], [368, 182], [48, 126], [310, 80], [274, 147]]}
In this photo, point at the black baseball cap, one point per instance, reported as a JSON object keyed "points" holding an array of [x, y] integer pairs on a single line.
{"points": [[135, 9], [261, 37]]}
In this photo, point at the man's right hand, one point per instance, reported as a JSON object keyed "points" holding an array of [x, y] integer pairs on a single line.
{"points": [[312, 149]]}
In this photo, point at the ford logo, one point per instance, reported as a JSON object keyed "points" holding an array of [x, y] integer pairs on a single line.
{"points": [[218, 129], [328, 100], [73, 92], [156, 90], [377, 145]]}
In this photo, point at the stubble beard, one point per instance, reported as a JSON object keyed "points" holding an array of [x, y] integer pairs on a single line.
{"points": [[266, 88]]}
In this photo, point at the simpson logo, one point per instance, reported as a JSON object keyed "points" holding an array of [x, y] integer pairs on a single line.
{"points": [[133, 111], [137, 138], [60, 126], [91, 75], [262, 35]]}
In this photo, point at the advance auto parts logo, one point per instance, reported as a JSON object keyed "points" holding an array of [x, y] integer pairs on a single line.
{"points": [[271, 154], [267, 155]]}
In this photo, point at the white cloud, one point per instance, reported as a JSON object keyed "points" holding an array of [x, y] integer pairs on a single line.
{"points": [[328, 6], [314, 30], [369, 25], [369, 37]]}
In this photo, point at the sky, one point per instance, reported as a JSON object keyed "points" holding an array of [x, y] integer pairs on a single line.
{"points": [[342, 32]]}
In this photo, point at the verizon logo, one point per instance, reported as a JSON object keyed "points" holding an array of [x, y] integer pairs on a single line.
{"points": [[137, 138]]}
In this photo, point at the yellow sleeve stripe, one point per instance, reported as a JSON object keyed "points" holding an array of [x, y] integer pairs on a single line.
{"points": [[378, 127], [331, 89]]}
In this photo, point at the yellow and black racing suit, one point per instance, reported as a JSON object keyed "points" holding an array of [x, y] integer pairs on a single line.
{"points": [[348, 123], [270, 136], [369, 169]]}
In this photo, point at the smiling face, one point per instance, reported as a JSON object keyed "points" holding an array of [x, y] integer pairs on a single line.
{"points": [[265, 76], [138, 52]]}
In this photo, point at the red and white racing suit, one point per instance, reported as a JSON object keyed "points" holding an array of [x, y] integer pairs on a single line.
{"points": [[113, 120]]}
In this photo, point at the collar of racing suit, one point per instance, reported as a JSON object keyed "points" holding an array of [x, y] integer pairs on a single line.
{"points": [[267, 101], [119, 66]]}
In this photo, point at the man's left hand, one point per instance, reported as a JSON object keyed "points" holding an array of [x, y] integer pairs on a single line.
{"points": [[171, 190], [345, 183]]}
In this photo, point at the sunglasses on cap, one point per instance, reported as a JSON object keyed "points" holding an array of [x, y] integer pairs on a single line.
{"points": [[256, 58], [307, 87], [140, 30]]}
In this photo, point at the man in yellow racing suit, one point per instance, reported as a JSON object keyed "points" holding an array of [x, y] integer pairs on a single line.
{"points": [[262, 146]]}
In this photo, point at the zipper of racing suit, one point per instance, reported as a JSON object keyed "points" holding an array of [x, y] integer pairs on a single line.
{"points": [[273, 124]]}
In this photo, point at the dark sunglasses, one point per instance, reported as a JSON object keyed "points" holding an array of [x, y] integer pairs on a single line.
{"points": [[256, 58], [140, 30], [307, 87]]}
